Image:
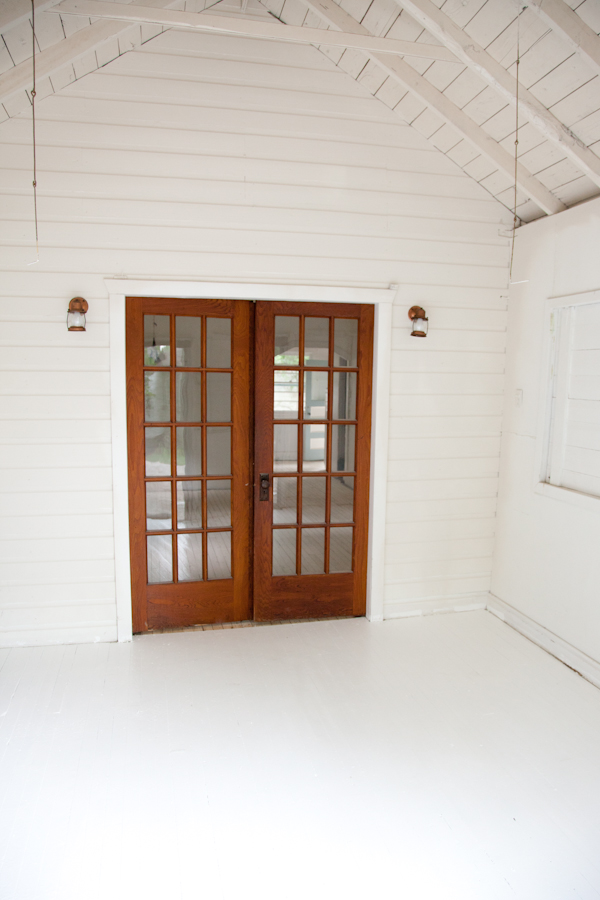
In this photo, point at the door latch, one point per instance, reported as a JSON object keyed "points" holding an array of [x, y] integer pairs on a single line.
{"points": [[264, 486]]}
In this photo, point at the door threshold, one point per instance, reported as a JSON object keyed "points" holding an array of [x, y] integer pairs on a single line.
{"points": [[248, 623]]}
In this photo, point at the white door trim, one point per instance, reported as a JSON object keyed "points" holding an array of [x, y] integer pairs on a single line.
{"points": [[382, 298]]}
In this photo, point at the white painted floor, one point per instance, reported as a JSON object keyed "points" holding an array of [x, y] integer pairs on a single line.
{"points": [[440, 757]]}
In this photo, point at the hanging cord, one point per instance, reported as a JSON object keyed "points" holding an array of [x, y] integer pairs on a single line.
{"points": [[515, 216], [33, 93]]}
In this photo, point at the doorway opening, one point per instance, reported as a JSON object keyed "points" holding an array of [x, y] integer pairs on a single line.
{"points": [[249, 431]]}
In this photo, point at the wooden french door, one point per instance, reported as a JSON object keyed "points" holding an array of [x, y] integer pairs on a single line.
{"points": [[249, 444], [313, 377], [189, 437]]}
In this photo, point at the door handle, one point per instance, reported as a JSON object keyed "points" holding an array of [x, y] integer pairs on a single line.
{"points": [[264, 486]]}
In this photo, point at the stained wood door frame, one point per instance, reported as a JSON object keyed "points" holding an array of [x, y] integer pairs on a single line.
{"points": [[381, 298]]}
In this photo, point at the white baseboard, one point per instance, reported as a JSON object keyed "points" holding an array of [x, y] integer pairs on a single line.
{"points": [[556, 646], [430, 606]]}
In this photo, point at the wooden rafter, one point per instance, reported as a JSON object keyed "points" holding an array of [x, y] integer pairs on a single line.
{"points": [[67, 51], [562, 19], [275, 31], [347, 33], [435, 100], [354, 35], [476, 58], [54, 58]]}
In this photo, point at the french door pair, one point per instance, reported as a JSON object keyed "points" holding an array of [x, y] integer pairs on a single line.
{"points": [[249, 443]]}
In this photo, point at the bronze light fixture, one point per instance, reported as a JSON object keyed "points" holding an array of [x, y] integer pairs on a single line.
{"points": [[76, 314], [420, 322]]}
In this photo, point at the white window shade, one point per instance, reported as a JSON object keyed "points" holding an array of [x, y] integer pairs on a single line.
{"points": [[574, 434]]}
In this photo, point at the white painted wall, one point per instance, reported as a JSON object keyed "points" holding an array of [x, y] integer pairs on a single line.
{"points": [[547, 560], [208, 157]]}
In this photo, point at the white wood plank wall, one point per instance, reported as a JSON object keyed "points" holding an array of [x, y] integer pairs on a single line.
{"points": [[200, 156]]}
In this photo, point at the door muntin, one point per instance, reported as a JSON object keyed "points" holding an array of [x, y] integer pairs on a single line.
{"points": [[313, 428]]}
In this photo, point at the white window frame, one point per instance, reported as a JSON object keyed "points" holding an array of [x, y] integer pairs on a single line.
{"points": [[551, 429], [381, 298]]}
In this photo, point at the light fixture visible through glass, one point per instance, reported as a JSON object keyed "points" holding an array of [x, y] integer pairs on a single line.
{"points": [[76, 314], [420, 322]]}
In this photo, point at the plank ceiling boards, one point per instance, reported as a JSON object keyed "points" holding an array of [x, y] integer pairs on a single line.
{"points": [[555, 72]]}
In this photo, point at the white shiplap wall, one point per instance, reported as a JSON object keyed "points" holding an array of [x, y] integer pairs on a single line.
{"points": [[213, 157], [546, 560]]}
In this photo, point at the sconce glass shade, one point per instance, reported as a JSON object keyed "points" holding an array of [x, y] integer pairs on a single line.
{"points": [[76, 314], [420, 322]]}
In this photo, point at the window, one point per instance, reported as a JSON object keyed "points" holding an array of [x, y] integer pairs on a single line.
{"points": [[573, 445]]}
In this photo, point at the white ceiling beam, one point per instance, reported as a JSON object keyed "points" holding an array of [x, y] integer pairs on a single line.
{"points": [[61, 54], [264, 30], [562, 19], [476, 58], [49, 61], [14, 12], [435, 100]]}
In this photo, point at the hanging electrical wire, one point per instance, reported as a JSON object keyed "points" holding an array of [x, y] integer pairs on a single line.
{"points": [[515, 216], [33, 93]]}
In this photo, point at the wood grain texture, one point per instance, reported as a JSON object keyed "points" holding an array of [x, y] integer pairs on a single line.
{"points": [[301, 596], [190, 603]]}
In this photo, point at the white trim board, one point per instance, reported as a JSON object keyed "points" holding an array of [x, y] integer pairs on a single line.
{"points": [[580, 662], [381, 298], [429, 606], [556, 646], [544, 483]]}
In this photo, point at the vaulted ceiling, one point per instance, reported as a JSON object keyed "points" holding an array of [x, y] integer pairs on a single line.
{"points": [[448, 68]]}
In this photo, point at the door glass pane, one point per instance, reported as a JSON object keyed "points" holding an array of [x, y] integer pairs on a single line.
{"points": [[284, 500], [160, 558], [340, 549], [218, 504], [315, 395], [285, 448], [218, 546], [188, 395], [313, 499], [316, 342], [187, 340], [342, 448], [284, 551], [158, 505], [313, 551], [342, 499], [218, 451], [189, 504], [218, 343], [218, 397], [287, 341], [285, 395], [158, 451], [314, 448], [157, 341], [345, 342], [157, 401], [189, 557], [344, 395], [189, 451]]}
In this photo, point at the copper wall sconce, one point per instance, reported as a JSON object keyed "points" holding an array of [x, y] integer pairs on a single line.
{"points": [[76, 314], [420, 322]]}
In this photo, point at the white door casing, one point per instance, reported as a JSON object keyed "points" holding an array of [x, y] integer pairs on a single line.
{"points": [[381, 298]]}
